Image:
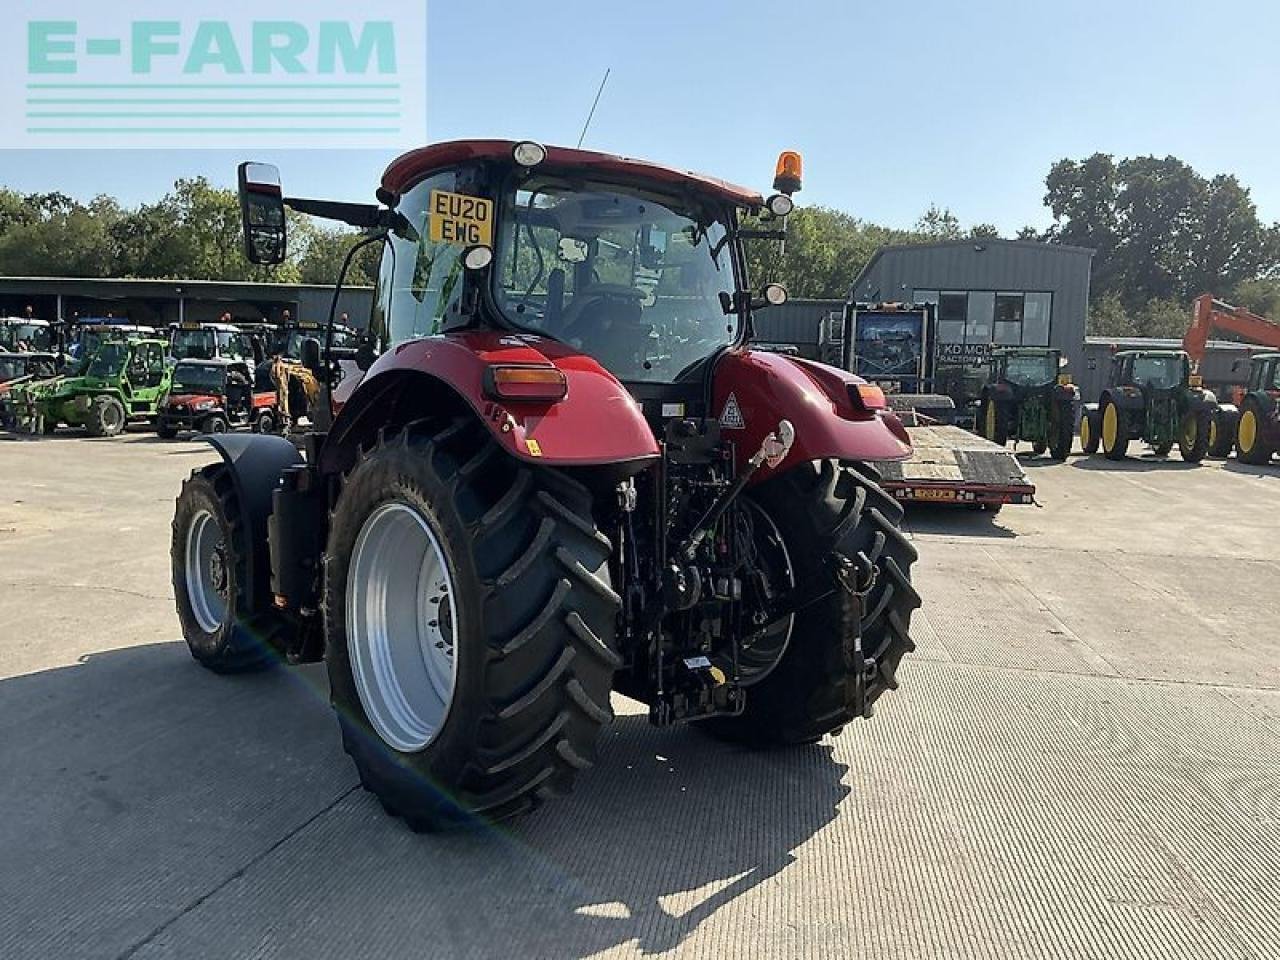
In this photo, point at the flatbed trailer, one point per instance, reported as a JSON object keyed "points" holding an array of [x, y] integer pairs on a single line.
{"points": [[951, 465]]}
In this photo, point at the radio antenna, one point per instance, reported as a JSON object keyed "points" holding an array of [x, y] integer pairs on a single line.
{"points": [[594, 103]]}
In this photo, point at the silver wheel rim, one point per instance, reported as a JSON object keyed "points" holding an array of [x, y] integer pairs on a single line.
{"points": [[401, 623], [206, 572]]}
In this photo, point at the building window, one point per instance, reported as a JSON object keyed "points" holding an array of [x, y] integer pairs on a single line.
{"points": [[1037, 310], [1009, 307], [953, 307], [982, 306]]}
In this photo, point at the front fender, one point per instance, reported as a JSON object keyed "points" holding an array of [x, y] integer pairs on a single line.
{"points": [[256, 462], [767, 388], [597, 422]]}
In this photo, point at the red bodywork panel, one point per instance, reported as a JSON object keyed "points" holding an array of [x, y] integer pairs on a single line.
{"points": [[597, 422], [260, 400], [413, 166], [769, 387]]}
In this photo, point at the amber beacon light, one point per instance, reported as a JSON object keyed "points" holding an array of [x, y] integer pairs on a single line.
{"points": [[789, 173]]}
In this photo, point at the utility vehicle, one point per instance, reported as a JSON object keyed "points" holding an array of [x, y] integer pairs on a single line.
{"points": [[214, 396], [566, 474], [1152, 396], [1029, 399], [122, 382]]}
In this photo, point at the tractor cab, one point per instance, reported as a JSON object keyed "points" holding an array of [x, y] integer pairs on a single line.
{"points": [[1158, 371], [1028, 368], [211, 341], [28, 335], [286, 339], [89, 336]]}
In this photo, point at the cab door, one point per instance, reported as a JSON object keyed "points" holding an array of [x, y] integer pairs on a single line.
{"points": [[147, 374]]}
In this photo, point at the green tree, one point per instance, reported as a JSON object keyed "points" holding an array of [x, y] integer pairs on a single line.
{"points": [[939, 224]]}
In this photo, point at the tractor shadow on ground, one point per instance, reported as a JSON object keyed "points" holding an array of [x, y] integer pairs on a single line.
{"points": [[1269, 472], [1144, 463], [235, 789], [958, 521]]}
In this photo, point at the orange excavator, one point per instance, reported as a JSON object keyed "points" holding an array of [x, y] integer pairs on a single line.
{"points": [[1250, 422]]}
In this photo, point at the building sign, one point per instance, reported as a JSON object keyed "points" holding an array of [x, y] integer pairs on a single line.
{"points": [[82, 74], [974, 354]]}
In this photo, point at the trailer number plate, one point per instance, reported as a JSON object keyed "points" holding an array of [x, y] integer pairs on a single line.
{"points": [[945, 496], [460, 220]]}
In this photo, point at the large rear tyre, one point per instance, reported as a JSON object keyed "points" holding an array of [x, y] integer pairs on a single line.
{"points": [[470, 627], [1193, 437], [210, 575], [106, 417], [1115, 433], [1061, 431], [824, 509], [992, 423], [1250, 446]]}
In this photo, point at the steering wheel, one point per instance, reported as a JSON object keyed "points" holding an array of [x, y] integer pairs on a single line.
{"points": [[591, 295]]}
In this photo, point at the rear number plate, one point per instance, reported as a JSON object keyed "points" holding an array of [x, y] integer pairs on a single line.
{"points": [[944, 496]]}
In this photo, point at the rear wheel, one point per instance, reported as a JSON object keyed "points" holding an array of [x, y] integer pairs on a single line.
{"points": [[1250, 447], [210, 579], [1193, 438], [166, 431], [992, 422], [1039, 447], [1115, 433], [828, 510], [470, 627], [1061, 430], [106, 417], [264, 422]]}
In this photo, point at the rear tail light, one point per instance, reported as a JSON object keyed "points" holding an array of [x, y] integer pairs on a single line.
{"points": [[541, 384], [867, 397]]}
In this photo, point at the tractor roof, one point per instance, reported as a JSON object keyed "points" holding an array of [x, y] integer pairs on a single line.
{"points": [[26, 355], [210, 362], [1151, 353], [413, 166]]}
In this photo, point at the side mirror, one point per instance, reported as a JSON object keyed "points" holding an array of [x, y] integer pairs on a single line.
{"points": [[310, 354], [262, 212], [365, 354]]}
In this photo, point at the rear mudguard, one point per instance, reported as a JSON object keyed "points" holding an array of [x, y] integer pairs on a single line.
{"points": [[597, 422], [257, 462], [766, 388]]}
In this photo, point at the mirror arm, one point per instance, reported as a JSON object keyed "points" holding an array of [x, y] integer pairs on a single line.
{"points": [[363, 215], [761, 235]]}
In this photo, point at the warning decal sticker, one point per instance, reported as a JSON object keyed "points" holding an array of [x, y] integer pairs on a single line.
{"points": [[731, 417]]}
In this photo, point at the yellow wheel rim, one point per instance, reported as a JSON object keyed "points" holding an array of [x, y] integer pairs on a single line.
{"points": [[1213, 433], [1084, 430], [990, 428], [1248, 431], [1110, 427], [1189, 430]]}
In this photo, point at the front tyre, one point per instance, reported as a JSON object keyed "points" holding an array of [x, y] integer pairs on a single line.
{"points": [[209, 561], [1061, 430], [1090, 432], [823, 510], [1193, 437], [1115, 432], [106, 417], [470, 627]]}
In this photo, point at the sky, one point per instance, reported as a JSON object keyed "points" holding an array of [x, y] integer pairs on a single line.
{"points": [[894, 105]]}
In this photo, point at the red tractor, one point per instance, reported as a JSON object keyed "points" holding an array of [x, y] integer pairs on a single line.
{"points": [[558, 471]]}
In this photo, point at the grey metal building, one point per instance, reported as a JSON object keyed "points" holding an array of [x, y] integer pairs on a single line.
{"points": [[989, 292], [161, 302]]}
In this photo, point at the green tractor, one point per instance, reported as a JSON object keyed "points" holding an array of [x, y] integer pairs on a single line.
{"points": [[1029, 399], [123, 382], [1152, 396], [1251, 421]]}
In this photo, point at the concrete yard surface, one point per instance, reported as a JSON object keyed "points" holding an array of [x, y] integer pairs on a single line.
{"points": [[1083, 760]]}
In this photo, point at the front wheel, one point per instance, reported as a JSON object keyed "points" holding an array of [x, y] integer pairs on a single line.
{"points": [[1222, 432], [106, 417], [829, 513], [264, 422], [470, 627], [1193, 438], [215, 424], [210, 568], [992, 423], [1090, 432]]}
